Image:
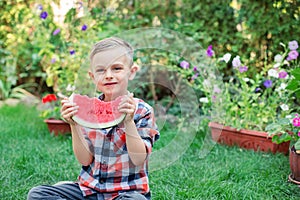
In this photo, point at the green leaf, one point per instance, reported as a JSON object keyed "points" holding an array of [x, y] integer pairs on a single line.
{"points": [[70, 15], [49, 81], [293, 85], [272, 126], [284, 121], [242, 104], [275, 139], [297, 145], [284, 137], [296, 73]]}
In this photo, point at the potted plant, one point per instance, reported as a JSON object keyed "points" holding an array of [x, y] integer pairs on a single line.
{"points": [[51, 115], [288, 129], [245, 100]]}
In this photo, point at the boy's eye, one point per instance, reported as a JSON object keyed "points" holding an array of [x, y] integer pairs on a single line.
{"points": [[100, 70], [117, 68]]}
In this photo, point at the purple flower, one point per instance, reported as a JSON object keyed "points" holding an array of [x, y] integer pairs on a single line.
{"points": [[84, 27], [296, 121], [282, 74], [53, 60], [268, 83], [80, 4], [257, 89], [40, 7], [293, 55], [44, 15], [214, 98], [236, 62], [72, 52], [293, 45], [195, 69], [216, 89], [299, 134], [209, 51], [184, 64], [243, 69], [195, 76], [56, 31]]}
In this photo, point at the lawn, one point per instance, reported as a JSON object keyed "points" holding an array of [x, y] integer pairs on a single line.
{"points": [[31, 156]]}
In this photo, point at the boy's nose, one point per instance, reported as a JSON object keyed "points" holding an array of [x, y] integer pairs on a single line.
{"points": [[108, 73]]}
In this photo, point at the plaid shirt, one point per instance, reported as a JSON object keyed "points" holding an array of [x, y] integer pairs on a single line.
{"points": [[112, 171]]}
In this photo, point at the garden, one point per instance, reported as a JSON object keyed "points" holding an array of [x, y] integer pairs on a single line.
{"points": [[206, 67]]}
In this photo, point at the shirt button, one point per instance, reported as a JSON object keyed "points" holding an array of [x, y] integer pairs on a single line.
{"points": [[104, 165]]}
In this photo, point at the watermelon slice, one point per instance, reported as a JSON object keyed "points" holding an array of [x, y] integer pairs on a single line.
{"points": [[94, 113]]}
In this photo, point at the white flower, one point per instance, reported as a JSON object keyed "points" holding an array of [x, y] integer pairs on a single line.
{"points": [[246, 79], [273, 73], [284, 107], [226, 57], [276, 65], [278, 58], [281, 89], [206, 83], [285, 62], [70, 88], [288, 116], [283, 86], [236, 62], [203, 99]]}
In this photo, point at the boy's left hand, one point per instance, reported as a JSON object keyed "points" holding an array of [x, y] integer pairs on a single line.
{"points": [[128, 107]]}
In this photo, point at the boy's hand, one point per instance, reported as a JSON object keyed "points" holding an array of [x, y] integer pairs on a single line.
{"points": [[128, 107], [68, 110]]}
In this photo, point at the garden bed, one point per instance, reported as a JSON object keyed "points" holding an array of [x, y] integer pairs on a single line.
{"points": [[225, 173]]}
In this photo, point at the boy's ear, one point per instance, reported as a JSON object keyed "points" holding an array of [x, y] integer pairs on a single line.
{"points": [[91, 75], [133, 71]]}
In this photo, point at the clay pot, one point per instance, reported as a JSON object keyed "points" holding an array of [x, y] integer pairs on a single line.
{"points": [[294, 166], [247, 139], [57, 126]]}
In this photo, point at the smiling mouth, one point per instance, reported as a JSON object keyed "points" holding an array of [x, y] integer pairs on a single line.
{"points": [[114, 83]]}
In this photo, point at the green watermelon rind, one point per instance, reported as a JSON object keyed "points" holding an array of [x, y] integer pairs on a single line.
{"points": [[98, 125], [94, 125]]}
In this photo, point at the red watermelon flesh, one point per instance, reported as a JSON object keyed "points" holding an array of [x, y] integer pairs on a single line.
{"points": [[95, 113]]}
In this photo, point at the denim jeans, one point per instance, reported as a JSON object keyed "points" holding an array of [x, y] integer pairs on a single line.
{"points": [[71, 191]]}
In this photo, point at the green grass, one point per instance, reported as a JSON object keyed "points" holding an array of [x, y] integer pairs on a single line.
{"points": [[30, 156]]}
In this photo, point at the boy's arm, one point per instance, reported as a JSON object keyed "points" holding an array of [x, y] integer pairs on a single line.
{"points": [[79, 143], [80, 146], [135, 146]]}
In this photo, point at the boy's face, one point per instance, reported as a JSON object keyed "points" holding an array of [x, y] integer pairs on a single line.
{"points": [[111, 72]]}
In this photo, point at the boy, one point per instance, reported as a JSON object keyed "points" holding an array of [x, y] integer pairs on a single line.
{"points": [[114, 160]]}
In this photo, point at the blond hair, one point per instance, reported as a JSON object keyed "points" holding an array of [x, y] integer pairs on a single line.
{"points": [[111, 43]]}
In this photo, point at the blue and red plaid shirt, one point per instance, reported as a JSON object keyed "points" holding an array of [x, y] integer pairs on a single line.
{"points": [[112, 171]]}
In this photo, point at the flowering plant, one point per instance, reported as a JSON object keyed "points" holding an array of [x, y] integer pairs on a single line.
{"points": [[247, 97], [52, 107], [62, 40], [286, 129]]}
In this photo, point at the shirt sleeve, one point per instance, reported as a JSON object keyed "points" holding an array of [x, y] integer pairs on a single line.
{"points": [[145, 123]]}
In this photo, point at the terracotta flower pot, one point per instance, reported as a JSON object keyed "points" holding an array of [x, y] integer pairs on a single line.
{"points": [[57, 127], [247, 139], [294, 166]]}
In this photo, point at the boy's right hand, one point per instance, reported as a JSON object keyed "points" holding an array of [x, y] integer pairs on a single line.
{"points": [[68, 110]]}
